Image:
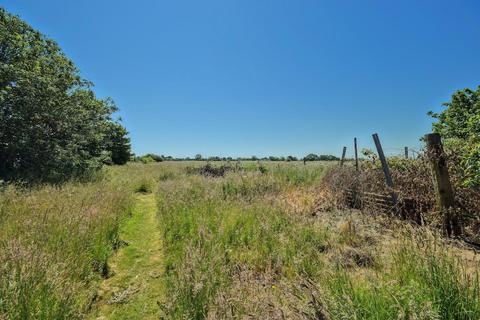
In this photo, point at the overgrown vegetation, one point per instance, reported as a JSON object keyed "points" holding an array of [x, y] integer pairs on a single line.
{"points": [[252, 244], [55, 243], [243, 244], [413, 184], [459, 125]]}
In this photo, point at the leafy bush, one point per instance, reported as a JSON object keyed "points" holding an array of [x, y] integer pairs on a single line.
{"points": [[459, 125], [146, 159]]}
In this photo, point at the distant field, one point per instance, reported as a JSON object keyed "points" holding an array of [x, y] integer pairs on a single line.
{"points": [[256, 240]]}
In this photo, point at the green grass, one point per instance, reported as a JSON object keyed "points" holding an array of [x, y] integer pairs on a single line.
{"points": [[55, 243], [213, 225], [420, 284], [219, 230], [135, 290], [245, 245]]}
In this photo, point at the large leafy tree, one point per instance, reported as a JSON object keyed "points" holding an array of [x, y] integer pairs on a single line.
{"points": [[459, 124], [52, 127]]}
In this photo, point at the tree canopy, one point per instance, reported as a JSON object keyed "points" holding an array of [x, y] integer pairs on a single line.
{"points": [[118, 144], [459, 125], [314, 157], [52, 126]]}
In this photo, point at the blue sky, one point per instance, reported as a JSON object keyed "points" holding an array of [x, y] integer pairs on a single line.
{"points": [[268, 77]]}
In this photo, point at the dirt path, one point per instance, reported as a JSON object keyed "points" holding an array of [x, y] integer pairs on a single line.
{"points": [[135, 289]]}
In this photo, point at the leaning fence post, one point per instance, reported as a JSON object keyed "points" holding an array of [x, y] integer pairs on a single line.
{"points": [[441, 182], [356, 153], [386, 169], [343, 156]]}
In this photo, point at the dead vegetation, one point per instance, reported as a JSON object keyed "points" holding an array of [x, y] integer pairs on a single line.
{"points": [[414, 188], [209, 170]]}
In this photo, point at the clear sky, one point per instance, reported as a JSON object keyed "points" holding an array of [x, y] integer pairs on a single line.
{"points": [[267, 77]]}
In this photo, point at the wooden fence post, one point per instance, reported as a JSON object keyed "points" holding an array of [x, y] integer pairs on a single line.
{"points": [[343, 156], [406, 152], [356, 153], [441, 182], [386, 169]]}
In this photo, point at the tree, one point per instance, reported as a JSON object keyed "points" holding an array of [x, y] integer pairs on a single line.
{"points": [[311, 157], [326, 157], [198, 157], [52, 127], [118, 143], [459, 125]]}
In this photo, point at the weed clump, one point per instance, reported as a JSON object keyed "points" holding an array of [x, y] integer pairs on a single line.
{"points": [[145, 186], [210, 171]]}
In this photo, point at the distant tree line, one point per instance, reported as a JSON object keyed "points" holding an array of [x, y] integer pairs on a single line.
{"points": [[52, 126], [322, 157], [150, 158]]}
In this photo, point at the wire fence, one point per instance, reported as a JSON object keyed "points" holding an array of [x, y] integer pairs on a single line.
{"points": [[422, 185]]}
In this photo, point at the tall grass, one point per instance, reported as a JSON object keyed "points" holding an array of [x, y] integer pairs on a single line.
{"points": [[55, 242], [244, 245], [420, 283], [234, 250], [215, 228]]}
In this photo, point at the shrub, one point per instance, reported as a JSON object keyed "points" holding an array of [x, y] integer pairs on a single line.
{"points": [[210, 171], [147, 159], [459, 125]]}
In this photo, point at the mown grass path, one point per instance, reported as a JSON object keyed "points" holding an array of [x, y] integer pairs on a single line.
{"points": [[135, 289]]}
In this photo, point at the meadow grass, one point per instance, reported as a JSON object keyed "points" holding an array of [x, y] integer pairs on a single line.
{"points": [[235, 247], [55, 242], [248, 244], [420, 283], [135, 289]]}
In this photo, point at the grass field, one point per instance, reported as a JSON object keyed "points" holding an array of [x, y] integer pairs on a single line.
{"points": [[261, 241]]}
